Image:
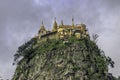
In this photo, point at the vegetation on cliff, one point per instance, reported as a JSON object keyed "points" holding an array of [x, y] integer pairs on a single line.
{"points": [[71, 59]]}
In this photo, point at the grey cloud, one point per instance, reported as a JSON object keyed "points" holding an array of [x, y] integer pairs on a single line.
{"points": [[20, 20]]}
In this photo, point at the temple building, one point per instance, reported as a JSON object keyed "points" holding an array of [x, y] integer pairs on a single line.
{"points": [[63, 31]]}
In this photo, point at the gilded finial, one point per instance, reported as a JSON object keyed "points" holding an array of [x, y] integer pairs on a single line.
{"points": [[42, 26], [42, 23], [55, 21], [54, 25], [62, 22], [72, 19], [72, 22]]}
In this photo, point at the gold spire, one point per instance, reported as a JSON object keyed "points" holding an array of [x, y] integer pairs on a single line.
{"points": [[54, 25], [42, 26], [42, 23], [73, 22], [62, 22]]}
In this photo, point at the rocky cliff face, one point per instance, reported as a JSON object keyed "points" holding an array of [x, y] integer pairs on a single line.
{"points": [[62, 60]]}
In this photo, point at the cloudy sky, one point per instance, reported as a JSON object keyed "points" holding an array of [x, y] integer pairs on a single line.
{"points": [[21, 19]]}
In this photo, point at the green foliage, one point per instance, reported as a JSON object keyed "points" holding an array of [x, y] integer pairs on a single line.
{"points": [[72, 39], [25, 50], [50, 45], [110, 62], [95, 38], [101, 63], [67, 57]]}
